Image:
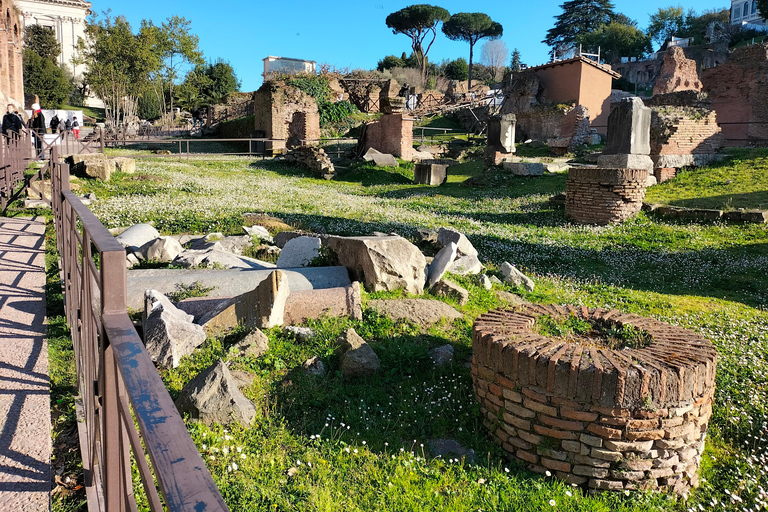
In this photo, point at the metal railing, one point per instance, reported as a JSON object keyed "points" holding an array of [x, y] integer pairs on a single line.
{"points": [[15, 154], [118, 383], [183, 147]]}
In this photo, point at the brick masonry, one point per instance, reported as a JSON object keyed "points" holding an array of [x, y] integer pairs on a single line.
{"points": [[285, 114], [738, 89], [604, 196], [393, 134], [601, 418]]}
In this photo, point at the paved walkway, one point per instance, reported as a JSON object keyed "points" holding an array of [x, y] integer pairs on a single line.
{"points": [[25, 413]]}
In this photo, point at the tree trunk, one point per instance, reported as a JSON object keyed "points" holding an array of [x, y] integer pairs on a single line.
{"points": [[471, 51]]}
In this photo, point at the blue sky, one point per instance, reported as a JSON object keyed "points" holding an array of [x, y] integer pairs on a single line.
{"points": [[349, 34]]}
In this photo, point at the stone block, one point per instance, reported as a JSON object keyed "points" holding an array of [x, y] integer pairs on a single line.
{"points": [[431, 172], [625, 161], [501, 132], [629, 125]]}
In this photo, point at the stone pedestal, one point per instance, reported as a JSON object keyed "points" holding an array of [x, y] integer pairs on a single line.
{"points": [[431, 172], [393, 134], [501, 132], [604, 196], [629, 137]]}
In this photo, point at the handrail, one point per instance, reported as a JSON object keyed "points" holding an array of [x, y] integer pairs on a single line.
{"points": [[117, 380]]}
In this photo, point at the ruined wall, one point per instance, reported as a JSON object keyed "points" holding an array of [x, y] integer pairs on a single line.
{"points": [[644, 73], [11, 66], [542, 122], [392, 133], [738, 90], [285, 114], [677, 73], [239, 104]]}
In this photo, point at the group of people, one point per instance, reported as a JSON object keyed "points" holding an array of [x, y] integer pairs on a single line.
{"points": [[13, 124]]}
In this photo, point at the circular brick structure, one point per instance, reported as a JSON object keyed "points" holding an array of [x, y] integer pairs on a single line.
{"points": [[614, 419], [604, 196]]}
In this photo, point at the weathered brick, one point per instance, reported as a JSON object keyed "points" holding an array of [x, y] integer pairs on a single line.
{"points": [[606, 485], [495, 389], [561, 424], [568, 404], [605, 432], [570, 478], [669, 444], [518, 443], [614, 422], [637, 464], [614, 412], [643, 424], [518, 410], [586, 460], [634, 446], [643, 414], [666, 463], [681, 431], [644, 435], [571, 446], [552, 454], [632, 476], [505, 382], [571, 414], [688, 454], [660, 473], [517, 422], [599, 453], [527, 456], [555, 465], [533, 395], [590, 471], [597, 442], [672, 422], [539, 407], [512, 395], [530, 437], [557, 434]]}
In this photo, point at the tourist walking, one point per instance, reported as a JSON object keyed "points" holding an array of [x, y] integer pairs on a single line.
{"points": [[38, 128], [76, 128], [12, 122]]}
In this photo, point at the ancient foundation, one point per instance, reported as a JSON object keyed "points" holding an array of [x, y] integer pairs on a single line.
{"points": [[601, 417], [393, 134], [604, 196]]}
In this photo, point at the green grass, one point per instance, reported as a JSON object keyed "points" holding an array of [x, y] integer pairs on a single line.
{"points": [[738, 182], [96, 113], [341, 440]]}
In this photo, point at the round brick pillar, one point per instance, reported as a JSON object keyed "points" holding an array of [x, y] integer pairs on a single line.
{"points": [[604, 196], [610, 419]]}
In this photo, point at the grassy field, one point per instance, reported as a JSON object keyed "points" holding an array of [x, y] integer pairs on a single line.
{"points": [[364, 445]]}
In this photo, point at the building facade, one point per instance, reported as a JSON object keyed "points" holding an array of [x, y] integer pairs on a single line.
{"points": [[11, 66], [66, 18], [744, 12], [286, 65]]}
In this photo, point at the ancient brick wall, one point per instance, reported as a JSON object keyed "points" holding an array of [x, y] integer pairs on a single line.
{"points": [[239, 104], [604, 196], [609, 419], [738, 90], [11, 66], [275, 106], [678, 73], [393, 134], [684, 131]]}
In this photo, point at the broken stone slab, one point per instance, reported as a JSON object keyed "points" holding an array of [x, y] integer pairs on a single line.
{"points": [[382, 263], [217, 257], [357, 357], [422, 312], [213, 397], [466, 266], [234, 244], [450, 449], [380, 159], [263, 307], [445, 288], [629, 129], [329, 302], [314, 366], [164, 249], [300, 306], [524, 168], [228, 283], [513, 276], [750, 216], [255, 344], [169, 333], [301, 334], [418, 156], [299, 252], [125, 164], [136, 237], [442, 355], [463, 245], [432, 171], [258, 231], [483, 281], [100, 169], [443, 259], [284, 237]]}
